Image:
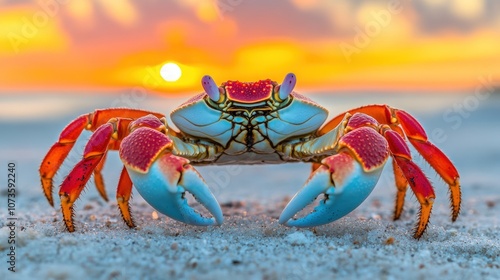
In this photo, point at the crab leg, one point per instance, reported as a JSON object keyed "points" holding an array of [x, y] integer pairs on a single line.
{"points": [[434, 156], [75, 182], [99, 181], [163, 178], [406, 125], [402, 186], [347, 178], [416, 178], [123, 194], [60, 150]]}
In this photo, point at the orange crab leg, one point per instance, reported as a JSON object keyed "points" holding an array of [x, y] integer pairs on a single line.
{"points": [[123, 194], [94, 152], [416, 178], [412, 129], [405, 170], [402, 186], [75, 182], [60, 150], [99, 181], [378, 112], [434, 156]]}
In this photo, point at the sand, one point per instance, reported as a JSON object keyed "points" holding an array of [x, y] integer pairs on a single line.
{"points": [[251, 244]]}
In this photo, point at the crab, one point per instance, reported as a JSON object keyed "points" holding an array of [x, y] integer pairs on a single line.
{"points": [[259, 122]]}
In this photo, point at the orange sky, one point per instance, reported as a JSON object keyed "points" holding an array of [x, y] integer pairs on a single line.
{"points": [[374, 45]]}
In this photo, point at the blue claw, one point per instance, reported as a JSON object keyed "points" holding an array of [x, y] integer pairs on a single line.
{"points": [[163, 187], [339, 200]]}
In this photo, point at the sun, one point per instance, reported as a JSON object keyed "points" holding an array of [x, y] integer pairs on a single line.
{"points": [[170, 72]]}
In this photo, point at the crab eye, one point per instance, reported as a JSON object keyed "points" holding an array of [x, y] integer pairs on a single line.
{"points": [[287, 86], [210, 88]]}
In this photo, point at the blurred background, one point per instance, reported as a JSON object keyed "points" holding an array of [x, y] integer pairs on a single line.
{"points": [[332, 45], [438, 59]]}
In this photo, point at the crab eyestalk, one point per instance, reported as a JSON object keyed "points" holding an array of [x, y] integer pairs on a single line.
{"points": [[211, 88], [287, 86]]}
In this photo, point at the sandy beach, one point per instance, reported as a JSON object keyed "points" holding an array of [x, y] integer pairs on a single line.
{"points": [[251, 244]]}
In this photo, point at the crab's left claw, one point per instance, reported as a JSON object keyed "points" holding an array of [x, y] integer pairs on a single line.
{"points": [[163, 179], [345, 179], [344, 184]]}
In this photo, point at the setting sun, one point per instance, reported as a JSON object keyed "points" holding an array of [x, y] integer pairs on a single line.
{"points": [[170, 72]]}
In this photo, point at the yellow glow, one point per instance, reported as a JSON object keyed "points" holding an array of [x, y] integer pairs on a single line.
{"points": [[207, 11], [170, 72], [29, 29], [468, 9], [82, 11]]}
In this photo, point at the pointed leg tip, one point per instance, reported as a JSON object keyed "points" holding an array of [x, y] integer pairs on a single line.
{"points": [[67, 211], [69, 228], [47, 190], [419, 231], [131, 225]]}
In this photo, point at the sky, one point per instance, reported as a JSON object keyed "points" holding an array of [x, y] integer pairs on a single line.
{"points": [[340, 45]]}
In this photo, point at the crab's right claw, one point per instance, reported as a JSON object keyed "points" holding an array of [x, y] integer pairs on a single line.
{"points": [[163, 179], [165, 185], [342, 181], [346, 179]]}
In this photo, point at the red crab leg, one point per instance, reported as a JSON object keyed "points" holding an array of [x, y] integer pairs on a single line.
{"points": [[123, 194], [75, 182], [416, 178], [60, 150], [418, 138], [94, 151], [99, 181], [402, 186], [434, 156]]}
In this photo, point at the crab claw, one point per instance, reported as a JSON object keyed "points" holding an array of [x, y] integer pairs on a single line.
{"points": [[164, 188], [344, 184], [162, 179]]}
